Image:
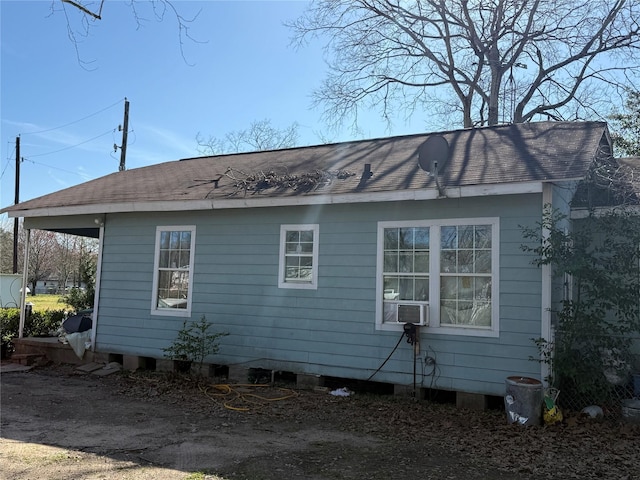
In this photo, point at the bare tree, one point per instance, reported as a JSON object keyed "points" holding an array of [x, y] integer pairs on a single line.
{"points": [[489, 60], [260, 135], [42, 247], [82, 14], [66, 258], [6, 248]]}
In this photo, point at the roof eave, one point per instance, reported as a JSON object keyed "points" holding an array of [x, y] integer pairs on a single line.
{"points": [[298, 200]]}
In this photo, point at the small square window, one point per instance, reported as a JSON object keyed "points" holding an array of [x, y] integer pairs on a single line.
{"points": [[298, 256]]}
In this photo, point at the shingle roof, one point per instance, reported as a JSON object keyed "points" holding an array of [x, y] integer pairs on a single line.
{"points": [[530, 152]]}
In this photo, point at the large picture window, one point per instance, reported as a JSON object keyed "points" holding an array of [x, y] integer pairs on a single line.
{"points": [[448, 270], [173, 270], [298, 256]]}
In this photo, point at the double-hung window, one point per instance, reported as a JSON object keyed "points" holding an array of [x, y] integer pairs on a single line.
{"points": [[173, 270], [465, 275], [405, 274], [447, 268], [298, 256]]}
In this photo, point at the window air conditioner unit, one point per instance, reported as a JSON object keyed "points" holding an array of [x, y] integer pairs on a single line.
{"points": [[416, 313]]}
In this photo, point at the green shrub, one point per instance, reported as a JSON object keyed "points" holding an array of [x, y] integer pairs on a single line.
{"points": [[78, 298], [598, 260], [36, 324], [194, 343]]}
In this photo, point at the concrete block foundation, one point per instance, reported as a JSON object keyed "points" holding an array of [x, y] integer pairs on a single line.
{"points": [[471, 401], [309, 381]]}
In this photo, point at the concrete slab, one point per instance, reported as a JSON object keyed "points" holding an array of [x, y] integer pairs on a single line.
{"points": [[14, 367], [90, 367], [103, 372]]}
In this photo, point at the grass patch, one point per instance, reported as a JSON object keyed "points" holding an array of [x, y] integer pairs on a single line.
{"points": [[202, 476], [44, 302]]}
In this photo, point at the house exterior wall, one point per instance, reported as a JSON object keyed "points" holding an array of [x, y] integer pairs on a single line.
{"points": [[329, 330]]}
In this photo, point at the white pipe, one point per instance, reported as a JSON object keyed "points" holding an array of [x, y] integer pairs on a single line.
{"points": [[94, 323], [25, 279]]}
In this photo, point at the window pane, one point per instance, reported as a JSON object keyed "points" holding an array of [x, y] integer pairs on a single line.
{"points": [[292, 248], [175, 240], [292, 236], [422, 262], [391, 288], [483, 236], [390, 262], [421, 239], [448, 288], [306, 236], [173, 288], [406, 289], [465, 261], [482, 289], [465, 288], [185, 240], [184, 259], [483, 261], [406, 238], [448, 262], [422, 289], [465, 309], [465, 236], [390, 312], [164, 259], [306, 247], [174, 259], [406, 262], [481, 315], [448, 237], [164, 239], [292, 262], [448, 312], [390, 238]]}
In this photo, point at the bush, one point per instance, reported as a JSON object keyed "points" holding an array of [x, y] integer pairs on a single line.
{"points": [[78, 298], [598, 260], [36, 324], [194, 343]]}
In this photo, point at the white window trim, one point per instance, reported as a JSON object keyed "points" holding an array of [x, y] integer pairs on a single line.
{"points": [[434, 277], [172, 312], [313, 284]]}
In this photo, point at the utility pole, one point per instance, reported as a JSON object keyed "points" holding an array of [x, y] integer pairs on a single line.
{"points": [[17, 200], [125, 129]]}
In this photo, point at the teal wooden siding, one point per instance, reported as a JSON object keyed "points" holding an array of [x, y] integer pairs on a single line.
{"points": [[331, 330]]}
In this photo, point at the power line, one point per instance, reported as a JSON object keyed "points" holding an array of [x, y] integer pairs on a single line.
{"points": [[51, 166], [5, 168], [10, 158], [74, 146], [75, 121]]}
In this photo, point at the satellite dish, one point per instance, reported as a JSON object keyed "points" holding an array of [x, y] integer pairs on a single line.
{"points": [[433, 154]]}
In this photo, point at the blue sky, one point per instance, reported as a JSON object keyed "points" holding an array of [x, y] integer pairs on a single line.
{"points": [[244, 70]]}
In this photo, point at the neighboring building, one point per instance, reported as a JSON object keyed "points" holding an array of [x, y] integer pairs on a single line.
{"points": [[312, 258]]}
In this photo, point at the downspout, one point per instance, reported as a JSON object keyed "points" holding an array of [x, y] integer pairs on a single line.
{"points": [[25, 279], [546, 332], [96, 297]]}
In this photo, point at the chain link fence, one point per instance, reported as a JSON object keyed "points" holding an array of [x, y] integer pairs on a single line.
{"points": [[597, 377]]}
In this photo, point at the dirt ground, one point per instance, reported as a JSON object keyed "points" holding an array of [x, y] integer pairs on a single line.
{"points": [[59, 424]]}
